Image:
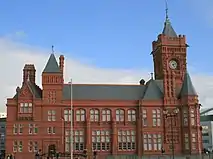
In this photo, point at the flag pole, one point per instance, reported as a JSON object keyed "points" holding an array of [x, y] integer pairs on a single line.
{"points": [[71, 120]]}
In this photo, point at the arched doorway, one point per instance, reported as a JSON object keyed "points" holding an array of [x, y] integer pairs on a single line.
{"points": [[52, 150]]}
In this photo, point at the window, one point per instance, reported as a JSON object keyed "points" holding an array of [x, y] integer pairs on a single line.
{"points": [[52, 96], [20, 128], [131, 115], [25, 108], [51, 115], [156, 117], [17, 146], [194, 143], [33, 129], [144, 117], [157, 142], [119, 115], [33, 146], [78, 142], [94, 115], [67, 115], [186, 141], [106, 115], [51, 130], [192, 116], [101, 140], [15, 129], [126, 140], [185, 117], [80, 115], [152, 142]]}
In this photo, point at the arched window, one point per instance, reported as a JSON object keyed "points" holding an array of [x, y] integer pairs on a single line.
{"points": [[156, 117], [80, 115], [94, 115], [106, 115], [119, 115], [131, 115], [67, 115]]}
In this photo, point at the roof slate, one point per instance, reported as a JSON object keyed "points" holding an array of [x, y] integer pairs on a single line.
{"points": [[104, 92], [153, 91], [187, 87], [52, 65], [168, 29]]}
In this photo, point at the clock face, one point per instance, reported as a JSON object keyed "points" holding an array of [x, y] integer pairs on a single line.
{"points": [[173, 64]]}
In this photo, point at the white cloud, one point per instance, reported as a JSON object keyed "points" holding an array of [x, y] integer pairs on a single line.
{"points": [[15, 55]]}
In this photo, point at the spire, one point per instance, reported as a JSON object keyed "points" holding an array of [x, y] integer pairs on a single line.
{"points": [[52, 65], [168, 29], [187, 87]]}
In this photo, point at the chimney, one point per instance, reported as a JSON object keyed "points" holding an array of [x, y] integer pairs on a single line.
{"points": [[61, 64], [29, 72]]}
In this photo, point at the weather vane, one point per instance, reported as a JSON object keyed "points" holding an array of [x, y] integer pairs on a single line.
{"points": [[52, 49], [167, 16]]}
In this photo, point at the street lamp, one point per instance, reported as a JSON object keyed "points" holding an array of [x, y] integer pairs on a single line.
{"points": [[171, 114]]}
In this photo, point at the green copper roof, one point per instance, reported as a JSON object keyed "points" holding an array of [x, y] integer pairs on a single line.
{"points": [[168, 29], [52, 65], [187, 87]]}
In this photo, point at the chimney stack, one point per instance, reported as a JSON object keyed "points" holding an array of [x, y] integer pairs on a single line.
{"points": [[61, 64], [29, 72]]}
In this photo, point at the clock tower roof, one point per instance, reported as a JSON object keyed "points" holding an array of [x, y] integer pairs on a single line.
{"points": [[168, 29]]}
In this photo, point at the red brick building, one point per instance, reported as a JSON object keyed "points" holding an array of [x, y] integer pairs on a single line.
{"points": [[110, 119]]}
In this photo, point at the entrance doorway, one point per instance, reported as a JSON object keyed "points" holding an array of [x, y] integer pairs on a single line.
{"points": [[52, 150]]}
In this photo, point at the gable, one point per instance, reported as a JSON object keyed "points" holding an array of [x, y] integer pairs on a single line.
{"points": [[25, 92]]}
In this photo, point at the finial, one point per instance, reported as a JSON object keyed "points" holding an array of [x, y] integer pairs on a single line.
{"points": [[151, 75], [167, 16], [28, 76], [52, 49]]}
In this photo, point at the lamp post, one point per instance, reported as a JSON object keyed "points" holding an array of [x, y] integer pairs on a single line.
{"points": [[171, 114]]}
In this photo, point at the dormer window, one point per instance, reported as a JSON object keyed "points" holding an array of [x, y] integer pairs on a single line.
{"points": [[25, 107]]}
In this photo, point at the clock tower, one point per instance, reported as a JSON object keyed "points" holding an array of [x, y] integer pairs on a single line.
{"points": [[169, 57]]}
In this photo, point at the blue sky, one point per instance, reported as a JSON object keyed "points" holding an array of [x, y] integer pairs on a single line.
{"points": [[108, 33]]}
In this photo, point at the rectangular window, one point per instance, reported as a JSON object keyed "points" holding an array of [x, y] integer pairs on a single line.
{"points": [[51, 115], [20, 128], [78, 140], [51, 130], [101, 140], [15, 146], [185, 117], [186, 141], [25, 107], [194, 141], [126, 140], [32, 146], [156, 117], [144, 117], [33, 129], [192, 116], [152, 142], [15, 129]]}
